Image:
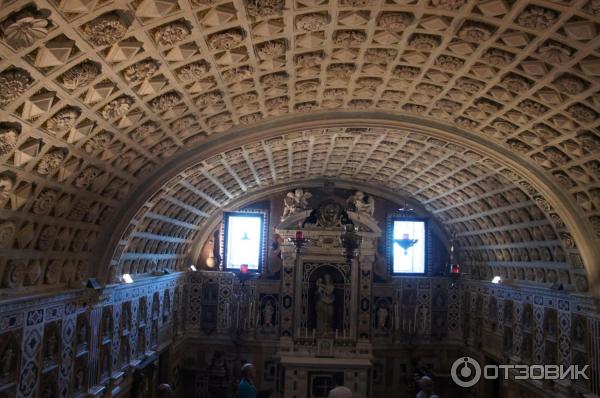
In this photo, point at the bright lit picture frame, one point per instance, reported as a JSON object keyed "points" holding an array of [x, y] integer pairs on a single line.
{"points": [[419, 261], [237, 250]]}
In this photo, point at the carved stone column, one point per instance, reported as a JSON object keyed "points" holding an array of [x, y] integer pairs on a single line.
{"points": [[289, 257]]}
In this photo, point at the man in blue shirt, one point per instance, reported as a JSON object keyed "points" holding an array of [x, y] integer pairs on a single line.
{"points": [[246, 388]]}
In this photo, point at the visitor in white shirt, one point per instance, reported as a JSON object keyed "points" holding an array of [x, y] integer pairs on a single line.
{"points": [[340, 391]]}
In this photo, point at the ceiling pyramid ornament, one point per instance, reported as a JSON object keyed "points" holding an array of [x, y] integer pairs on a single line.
{"points": [[99, 92], [123, 50], [155, 8], [56, 52], [26, 152], [77, 6], [38, 105], [21, 195]]}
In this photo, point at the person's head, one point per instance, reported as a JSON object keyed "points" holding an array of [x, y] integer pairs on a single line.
{"points": [[426, 384], [164, 391], [248, 371]]}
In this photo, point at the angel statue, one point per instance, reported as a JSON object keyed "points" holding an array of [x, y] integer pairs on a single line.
{"points": [[362, 203], [295, 201]]}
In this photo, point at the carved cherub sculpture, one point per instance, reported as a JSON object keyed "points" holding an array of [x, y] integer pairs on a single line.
{"points": [[361, 203], [295, 201]]}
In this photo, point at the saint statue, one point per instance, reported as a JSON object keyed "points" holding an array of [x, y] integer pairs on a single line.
{"points": [[295, 201], [324, 298], [361, 203], [268, 312], [7, 362], [382, 315]]}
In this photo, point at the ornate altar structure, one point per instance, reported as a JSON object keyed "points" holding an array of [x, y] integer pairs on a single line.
{"points": [[326, 302]]}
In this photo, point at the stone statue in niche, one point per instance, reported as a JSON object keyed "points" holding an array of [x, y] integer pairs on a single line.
{"points": [[48, 391], [79, 380], [268, 312], [325, 299], [106, 325], [51, 350], [82, 334], [382, 316], [294, 202], [8, 361], [361, 203], [217, 371]]}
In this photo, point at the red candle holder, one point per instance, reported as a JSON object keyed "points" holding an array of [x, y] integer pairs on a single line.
{"points": [[244, 268], [299, 235]]}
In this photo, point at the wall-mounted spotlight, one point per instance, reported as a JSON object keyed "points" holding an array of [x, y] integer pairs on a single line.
{"points": [[193, 268], [127, 278], [496, 279]]}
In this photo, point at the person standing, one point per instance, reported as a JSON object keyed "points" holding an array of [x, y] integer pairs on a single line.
{"points": [[164, 391], [246, 388], [340, 391], [426, 388]]}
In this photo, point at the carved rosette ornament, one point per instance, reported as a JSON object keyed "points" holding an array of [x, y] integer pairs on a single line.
{"points": [[226, 40], [554, 52], [212, 98], [235, 75], [192, 72], [8, 139], [274, 79], [24, 29], [271, 49], [165, 101], [140, 71], [63, 119], [15, 273], [349, 38], [424, 42], [81, 75], [51, 161], [264, 8], [7, 233], [497, 57], [105, 30], [6, 187], [475, 33], [86, 177], [538, 18], [394, 21], [53, 272], [44, 203], [451, 5], [312, 22], [14, 83], [117, 107], [174, 32]]}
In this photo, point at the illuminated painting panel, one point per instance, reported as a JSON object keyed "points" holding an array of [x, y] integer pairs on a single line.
{"points": [[408, 255], [244, 241]]}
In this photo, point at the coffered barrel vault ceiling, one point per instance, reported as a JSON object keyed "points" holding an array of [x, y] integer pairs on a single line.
{"points": [[503, 224], [97, 95]]}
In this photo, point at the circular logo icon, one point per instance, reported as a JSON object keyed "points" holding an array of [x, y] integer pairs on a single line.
{"points": [[465, 372]]}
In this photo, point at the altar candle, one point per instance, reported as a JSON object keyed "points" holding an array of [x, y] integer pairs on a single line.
{"points": [[336, 334], [298, 235], [313, 334]]}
